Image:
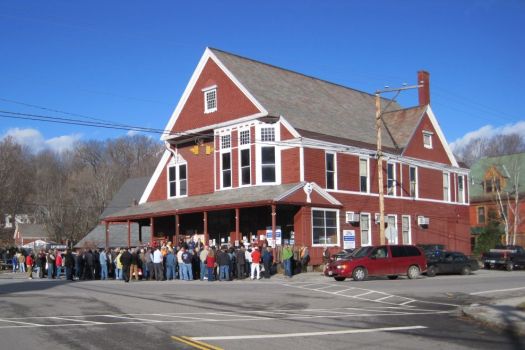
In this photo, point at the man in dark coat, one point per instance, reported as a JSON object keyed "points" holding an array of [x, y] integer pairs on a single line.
{"points": [[69, 264], [267, 261], [240, 261], [125, 260]]}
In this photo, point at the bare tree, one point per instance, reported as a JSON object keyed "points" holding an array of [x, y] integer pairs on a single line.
{"points": [[483, 146]]}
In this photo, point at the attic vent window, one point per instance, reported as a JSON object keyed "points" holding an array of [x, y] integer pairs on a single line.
{"points": [[210, 99], [427, 139]]}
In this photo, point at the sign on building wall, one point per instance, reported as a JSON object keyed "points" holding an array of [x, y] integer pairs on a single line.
{"points": [[348, 239]]}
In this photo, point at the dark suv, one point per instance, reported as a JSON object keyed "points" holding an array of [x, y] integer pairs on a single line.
{"points": [[386, 260]]}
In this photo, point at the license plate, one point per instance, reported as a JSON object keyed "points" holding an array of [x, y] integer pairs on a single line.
{"points": [[330, 273]]}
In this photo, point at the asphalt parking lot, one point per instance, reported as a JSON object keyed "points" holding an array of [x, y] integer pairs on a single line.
{"points": [[307, 311]]}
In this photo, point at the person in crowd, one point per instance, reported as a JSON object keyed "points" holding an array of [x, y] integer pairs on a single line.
{"points": [[211, 264], [69, 264], [125, 260], [195, 263], [78, 264], [180, 263], [203, 255], [96, 264], [267, 261], [21, 262], [223, 259], [171, 262], [103, 259], [29, 263], [287, 260], [119, 264], [248, 259], [157, 264], [305, 258], [151, 265], [90, 265], [111, 266], [187, 257], [50, 264], [58, 264], [15, 263], [134, 268], [41, 263], [255, 266], [240, 262], [144, 263], [232, 270]]}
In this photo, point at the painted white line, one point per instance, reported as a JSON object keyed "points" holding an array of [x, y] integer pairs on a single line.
{"points": [[383, 298], [497, 291], [310, 334], [175, 316], [358, 295], [344, 290], [68, 319], [24, 323], [134, 319]]}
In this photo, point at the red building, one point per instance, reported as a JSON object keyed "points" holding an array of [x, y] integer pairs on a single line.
{"points": [[254, 148]]}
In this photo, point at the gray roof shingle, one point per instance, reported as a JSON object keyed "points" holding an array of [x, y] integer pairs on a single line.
{"points": [[131, 190], [309, 103], [118, 236]]}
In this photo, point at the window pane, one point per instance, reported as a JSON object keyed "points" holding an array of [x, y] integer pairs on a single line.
{"points": [[330, 162], [268, 173], [226, 161], [182, 172], [331, 235], [183, 188], [226, 178], [331, 218], [268, 155], [318, 236], [363, 171], [330, 181], [245, 157], [363, 186], [171, 171], [172, 189], [246, 180]]}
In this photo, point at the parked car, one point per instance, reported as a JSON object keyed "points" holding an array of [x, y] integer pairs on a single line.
{"points": [[343, 254], [386, 260], [509, 257], [452, 262], [433, 252]]}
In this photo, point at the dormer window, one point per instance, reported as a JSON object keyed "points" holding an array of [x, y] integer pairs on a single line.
{"points": [[427, 139], [210, 99]]}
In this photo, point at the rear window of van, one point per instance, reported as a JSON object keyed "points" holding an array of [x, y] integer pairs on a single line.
{"points": [[399, 251]]}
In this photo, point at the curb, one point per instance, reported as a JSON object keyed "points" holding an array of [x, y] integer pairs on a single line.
{"points": [[506, 318]]}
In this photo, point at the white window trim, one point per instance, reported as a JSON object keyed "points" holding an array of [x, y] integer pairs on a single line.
{"points": [[177, 179], [447, 174], [337, 224], [207, 91], [416, 190], [247, 146], [387, 217], [258, 152], [369, 229], [429, 134], [367, 174], [463, 201], [394, 180], [409, 229], [335, 170]]}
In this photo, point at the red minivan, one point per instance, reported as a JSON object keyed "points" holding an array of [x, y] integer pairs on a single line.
{"points": [[385, 260]]}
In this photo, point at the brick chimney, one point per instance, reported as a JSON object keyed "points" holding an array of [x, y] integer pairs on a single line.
{"points": [[423, 77]]}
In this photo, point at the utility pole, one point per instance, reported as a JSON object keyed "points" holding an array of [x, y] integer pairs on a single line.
{"points": [[380, 153]]}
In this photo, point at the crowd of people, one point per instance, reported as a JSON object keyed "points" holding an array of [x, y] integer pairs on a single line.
{"points": [[185, 261]]}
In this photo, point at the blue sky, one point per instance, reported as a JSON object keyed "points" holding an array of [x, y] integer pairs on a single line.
{"points": [[129, 61]]}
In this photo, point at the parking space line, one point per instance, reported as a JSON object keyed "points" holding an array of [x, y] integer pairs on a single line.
{"points": [[76, 320], [496, 291], [310, 334], [24, 323], [134, 318]]}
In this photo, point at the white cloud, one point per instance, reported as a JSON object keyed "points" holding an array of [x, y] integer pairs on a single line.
{"points": [[34, 139], [489, 131], [132, 133]]}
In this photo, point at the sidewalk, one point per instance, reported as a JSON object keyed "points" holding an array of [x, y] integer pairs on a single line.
{"points": [[503, 314]]}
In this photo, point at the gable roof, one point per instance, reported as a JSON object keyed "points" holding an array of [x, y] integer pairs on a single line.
{"points": [[28, 231], [131, 190], [118, 236], [309, 103], [392, 121], [505, 166]]}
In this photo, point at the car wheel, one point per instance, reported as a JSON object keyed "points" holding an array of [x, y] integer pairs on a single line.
{"points": [[431, 271], [465, 270], [392, 277], [359, 274], [509, 266], [339, 279], [413, 272]]}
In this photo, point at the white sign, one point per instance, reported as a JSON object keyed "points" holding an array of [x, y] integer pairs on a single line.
{"points": [[348, 239], [278, 237]]}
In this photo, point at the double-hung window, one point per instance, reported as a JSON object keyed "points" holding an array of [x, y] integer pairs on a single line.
{"points": [[481, 215], [330, 170], [461, 189], [364, 225], [210, 99], [413, 181], [325, 223], [446, 187], [226, 161], [363, 175], [391, 179], [427, 139], [405, 229], [244, 152], [268, 154], [177, 180]]}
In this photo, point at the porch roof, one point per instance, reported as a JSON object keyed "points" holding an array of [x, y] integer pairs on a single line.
{"points": [[227, 199]]}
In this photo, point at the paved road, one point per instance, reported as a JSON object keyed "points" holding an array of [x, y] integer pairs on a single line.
{"points": [[306, 312]]}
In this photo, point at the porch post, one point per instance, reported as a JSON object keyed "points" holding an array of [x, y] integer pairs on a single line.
{"points": [[152, 229], [237, 233], [274, 223], [206, 235], [129, 234], [107, 234], [177, 228]]}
